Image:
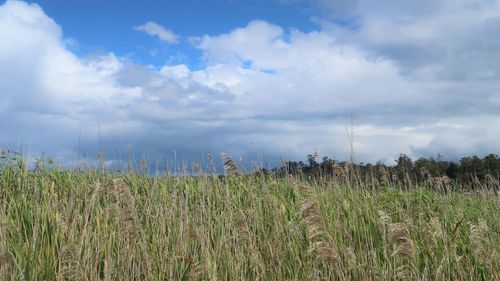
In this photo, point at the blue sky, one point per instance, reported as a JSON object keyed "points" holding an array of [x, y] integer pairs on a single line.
{"points": [[108, 25], [268, 80]]}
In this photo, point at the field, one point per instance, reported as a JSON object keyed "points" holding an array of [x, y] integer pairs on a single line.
{"points": [[89, 225]]}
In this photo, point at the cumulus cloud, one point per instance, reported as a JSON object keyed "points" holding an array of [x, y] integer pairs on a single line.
{"points": [[265, 90], [445, 39], [49, 95], [153, 29]]}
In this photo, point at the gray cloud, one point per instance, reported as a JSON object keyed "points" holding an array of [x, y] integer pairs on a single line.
{"points": [[444, 40]]}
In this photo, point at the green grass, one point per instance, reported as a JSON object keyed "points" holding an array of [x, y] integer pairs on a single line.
{"points": [[57, 225]]}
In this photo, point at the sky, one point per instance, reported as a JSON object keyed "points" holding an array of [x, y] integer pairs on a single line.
{"points": [[261, 80]]}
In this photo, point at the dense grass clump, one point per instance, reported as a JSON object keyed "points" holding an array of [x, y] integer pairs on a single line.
{"points": [[60, 225]]}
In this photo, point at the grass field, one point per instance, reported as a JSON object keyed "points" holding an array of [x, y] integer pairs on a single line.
{"points": [[60, 225]]}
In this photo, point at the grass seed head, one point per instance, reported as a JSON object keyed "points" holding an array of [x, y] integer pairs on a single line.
{"points": [[383, 222], [230, 166], [477, 238], [6, 258], [399, 238], [325, 251]]}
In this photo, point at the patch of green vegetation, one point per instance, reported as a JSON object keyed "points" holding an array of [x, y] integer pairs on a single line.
{"points": [[85, 225]]}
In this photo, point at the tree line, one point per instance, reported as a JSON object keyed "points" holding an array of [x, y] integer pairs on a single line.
{"points": [[469, 173]]}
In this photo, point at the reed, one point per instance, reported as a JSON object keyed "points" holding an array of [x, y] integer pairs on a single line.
{"points": [[86, 225]]}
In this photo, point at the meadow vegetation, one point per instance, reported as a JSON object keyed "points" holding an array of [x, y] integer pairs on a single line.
{"points": [[94, 225]]}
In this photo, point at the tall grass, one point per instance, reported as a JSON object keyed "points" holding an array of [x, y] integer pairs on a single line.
{"points": [[86, 225]]}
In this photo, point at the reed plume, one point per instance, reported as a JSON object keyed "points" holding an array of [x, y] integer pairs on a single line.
{"points": [[322, 242]]}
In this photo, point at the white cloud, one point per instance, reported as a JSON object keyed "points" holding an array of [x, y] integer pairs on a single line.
{"points": [[316, 80], [445, 39], [154, 29], [264, 90]]}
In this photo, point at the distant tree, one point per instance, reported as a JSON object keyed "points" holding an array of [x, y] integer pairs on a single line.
{"points": [[469, 172], [453, 171], [471, 167], [491, 164], [404, 162], [311, 159]]}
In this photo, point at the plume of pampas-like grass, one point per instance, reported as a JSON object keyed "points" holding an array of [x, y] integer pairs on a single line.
{"points": [[230, 166], [322, 244]]}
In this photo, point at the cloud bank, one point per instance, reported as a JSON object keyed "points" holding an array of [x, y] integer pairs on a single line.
{"points": [[416, 82]]}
